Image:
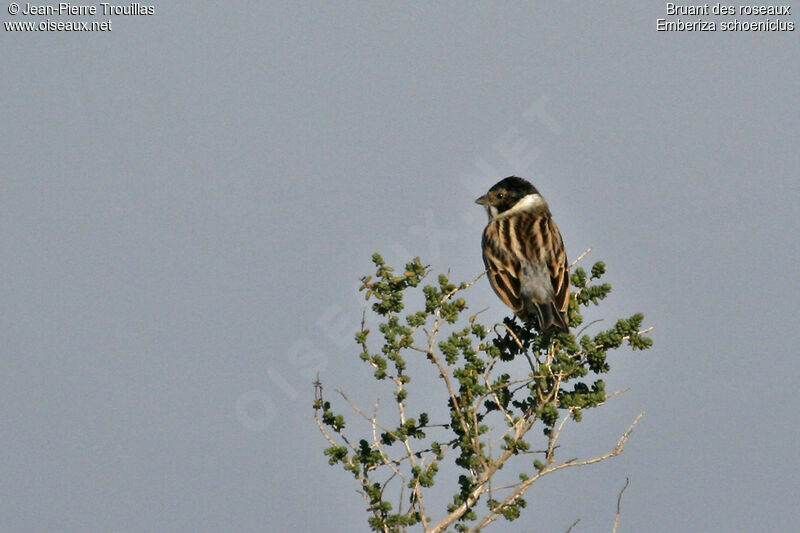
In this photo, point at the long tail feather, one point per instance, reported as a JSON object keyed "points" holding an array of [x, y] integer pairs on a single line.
{"points": [[550, 319]]}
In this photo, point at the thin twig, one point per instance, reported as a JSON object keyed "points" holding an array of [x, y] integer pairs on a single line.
{"points": [[491, 390], [575, 523], [648, 330], [615, 393], [558, 431], [366, 417], [580, 257], [493, 515], [324, 432], [473, 317], [584, 328], [511, 331], [619, 501]]}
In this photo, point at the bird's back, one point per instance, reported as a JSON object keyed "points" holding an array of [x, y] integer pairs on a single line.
{"points": [[524, 255]]}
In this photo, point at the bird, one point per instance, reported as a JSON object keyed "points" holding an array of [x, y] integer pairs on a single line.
{"points": [[524, 254]]}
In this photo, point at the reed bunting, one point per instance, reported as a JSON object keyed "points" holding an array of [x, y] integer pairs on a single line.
{"points": [[524, 254]]}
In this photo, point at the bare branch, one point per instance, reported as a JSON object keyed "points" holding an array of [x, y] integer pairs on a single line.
{"points": [[525, 485], [584, 328], [615, 393], [325, 432], [619, 501], [584, 254], [473, 317], [491, 390], [357, 409], [613, 453], [510, 331], [465, 287], [648, 330], [557, 433]]}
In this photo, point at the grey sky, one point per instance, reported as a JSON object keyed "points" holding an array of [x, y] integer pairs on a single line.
{"points": [[187, 202]]}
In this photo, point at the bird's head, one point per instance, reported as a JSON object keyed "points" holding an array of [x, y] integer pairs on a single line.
{"points": [[508, 195]]}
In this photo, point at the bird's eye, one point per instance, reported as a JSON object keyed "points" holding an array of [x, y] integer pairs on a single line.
{"points": [[499, 195]]}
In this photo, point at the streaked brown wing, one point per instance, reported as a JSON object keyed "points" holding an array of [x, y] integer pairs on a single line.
{"points": [[559, 270], [502, 270]]}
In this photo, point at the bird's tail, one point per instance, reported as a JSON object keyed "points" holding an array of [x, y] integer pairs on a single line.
{"points": [[551, 320]]}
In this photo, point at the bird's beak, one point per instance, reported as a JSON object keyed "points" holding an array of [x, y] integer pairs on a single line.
{"points": [[483, 200]]}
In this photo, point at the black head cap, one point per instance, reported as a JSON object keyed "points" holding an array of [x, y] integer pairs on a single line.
{"points": [[520, 186], [505, 193]]}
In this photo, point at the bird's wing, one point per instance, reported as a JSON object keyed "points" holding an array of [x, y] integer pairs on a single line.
{"points": [[559, 268], [503, 271]]}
